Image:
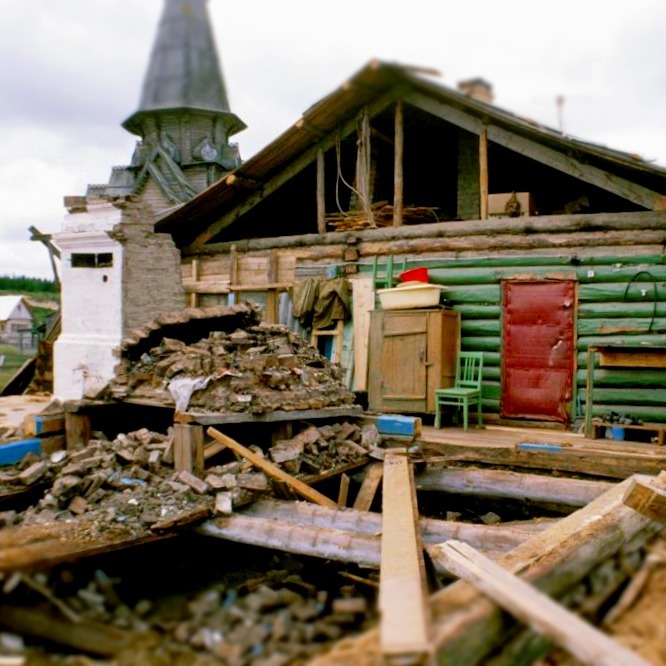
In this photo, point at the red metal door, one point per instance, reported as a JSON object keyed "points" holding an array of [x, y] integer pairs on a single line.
{"points": [[537, 350]]}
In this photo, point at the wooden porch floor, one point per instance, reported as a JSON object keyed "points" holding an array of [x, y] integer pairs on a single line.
{"points": [[542, 449]]}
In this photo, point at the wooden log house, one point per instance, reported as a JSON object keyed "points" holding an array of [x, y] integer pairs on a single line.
{"points": [[550, 247]]}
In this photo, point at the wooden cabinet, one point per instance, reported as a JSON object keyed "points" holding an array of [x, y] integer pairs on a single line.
{"points": [[412, 353]]}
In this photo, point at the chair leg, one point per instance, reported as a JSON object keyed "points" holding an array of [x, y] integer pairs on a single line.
{"points": [[437, 413], [479, 411], [465, 412]]}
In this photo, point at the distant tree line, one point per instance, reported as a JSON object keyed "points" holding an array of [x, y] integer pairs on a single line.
{"points": [[24, 284]]}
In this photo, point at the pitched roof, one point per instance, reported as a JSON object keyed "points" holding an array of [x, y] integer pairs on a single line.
{"points": [[375, 82], [7, 306], [184, 70]]}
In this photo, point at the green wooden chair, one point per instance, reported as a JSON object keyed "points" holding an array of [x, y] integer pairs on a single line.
{"points": [[469, 369], [385, 275]]}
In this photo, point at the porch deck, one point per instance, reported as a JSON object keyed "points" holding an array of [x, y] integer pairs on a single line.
{"points": [[532, 448]]}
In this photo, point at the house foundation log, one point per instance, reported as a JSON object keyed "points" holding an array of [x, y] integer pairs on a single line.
{"points": [[489, 537], [468, 626], [512, 485]]}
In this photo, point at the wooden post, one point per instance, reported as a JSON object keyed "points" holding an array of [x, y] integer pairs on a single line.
{"points": [[77, 430], [188, 449], [483, 173], [404, 626], [373, 475], [398, 155], [321, 193], [271, 293], [589, 427], [196, 272], [344, 490]]}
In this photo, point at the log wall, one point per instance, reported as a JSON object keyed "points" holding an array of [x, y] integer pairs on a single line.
{"points": [[616, 260]]}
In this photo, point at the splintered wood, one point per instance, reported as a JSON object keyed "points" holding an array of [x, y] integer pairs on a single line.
{"points": [[536, 609], [404, 627]]}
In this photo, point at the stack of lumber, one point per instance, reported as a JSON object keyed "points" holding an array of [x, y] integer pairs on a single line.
{"points": [[382, 216]]}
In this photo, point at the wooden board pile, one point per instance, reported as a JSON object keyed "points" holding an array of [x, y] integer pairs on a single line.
{"points": [[257, 369], [382, 216]]}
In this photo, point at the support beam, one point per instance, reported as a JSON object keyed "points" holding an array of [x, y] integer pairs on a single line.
{"points": [[483, 173], [404, 614], [538, 610], [306, 159], [398, 159], [188, 449], [321, 193], [530, 148]]}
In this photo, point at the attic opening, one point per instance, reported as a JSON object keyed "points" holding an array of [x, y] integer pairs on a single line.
{"points": [[441, 177]]}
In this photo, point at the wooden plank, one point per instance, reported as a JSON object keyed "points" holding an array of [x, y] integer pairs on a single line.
{"points": [[538, 610], [398, 156], [35, 425], [343, 493], [404, 616], [649, 499], [213, 418], [631, 359], [321, 193], [483, 173], [468, 626], [272, 470], [13, 452], [363, 301], [366, 494]]}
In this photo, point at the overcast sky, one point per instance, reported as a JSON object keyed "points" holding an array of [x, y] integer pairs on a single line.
{"points": [[71, 72]]}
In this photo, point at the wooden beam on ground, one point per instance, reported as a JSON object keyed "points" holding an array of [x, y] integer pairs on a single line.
{"points": [[404, 613], [368, 490], [468, 626], [272, 470], [537, 488], [77, 430], [490, 537], [93, 637], [538, 610], [648, 499], [36, 425]]}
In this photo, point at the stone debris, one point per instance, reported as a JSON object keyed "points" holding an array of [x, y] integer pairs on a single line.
{"points": [[255, 369], [128, 480], [245, 618]]}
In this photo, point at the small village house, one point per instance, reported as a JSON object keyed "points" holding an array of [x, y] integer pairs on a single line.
{"points": [[15, 321]]}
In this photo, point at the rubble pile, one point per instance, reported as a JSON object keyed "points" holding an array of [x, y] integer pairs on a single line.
{"points": [[131, 480], [246, 618], [257, 369]]}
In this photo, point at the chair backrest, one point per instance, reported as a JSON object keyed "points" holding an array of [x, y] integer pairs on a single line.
{"points": [[469, 370]]}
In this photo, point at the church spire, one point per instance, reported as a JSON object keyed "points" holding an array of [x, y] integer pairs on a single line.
{"points": [[184, 70], [183, 120]]}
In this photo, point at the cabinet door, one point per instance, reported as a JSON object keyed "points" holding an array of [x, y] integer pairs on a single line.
{"points": [[398, 355]]}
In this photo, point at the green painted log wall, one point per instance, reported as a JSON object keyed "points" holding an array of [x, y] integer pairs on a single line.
{"points": [[621, 300]]}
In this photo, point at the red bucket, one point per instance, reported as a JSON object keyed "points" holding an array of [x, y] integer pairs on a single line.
{"points": [[414, 275]]}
